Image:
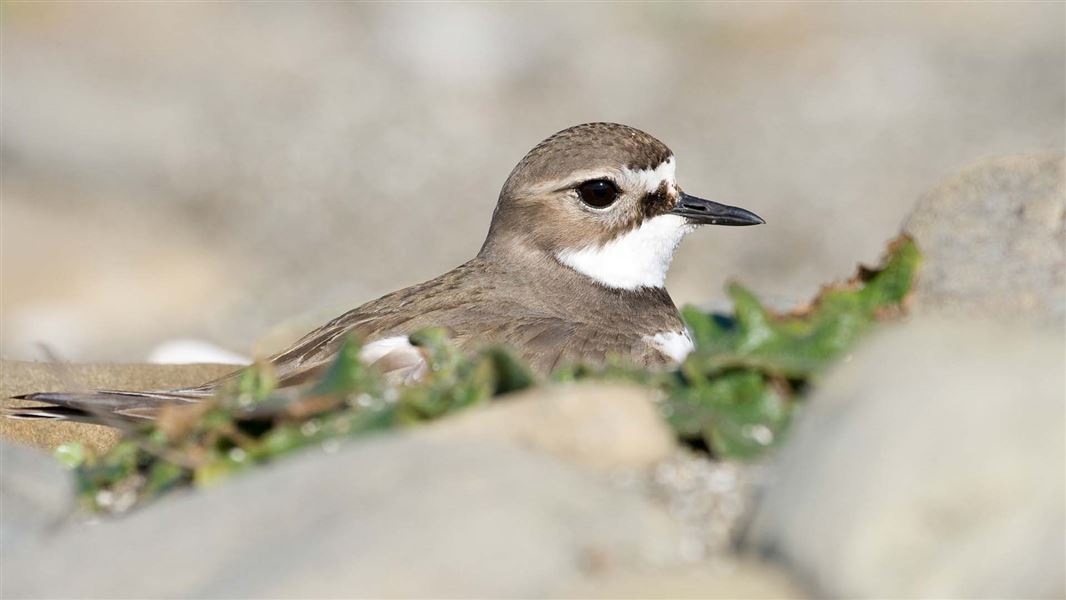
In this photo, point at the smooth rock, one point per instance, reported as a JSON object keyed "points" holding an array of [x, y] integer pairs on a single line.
{"points": [[397, 515], [993, 240], [36, 493], [732, 580], [597, 425], [18, 377], [708, 498], [930, 465]]}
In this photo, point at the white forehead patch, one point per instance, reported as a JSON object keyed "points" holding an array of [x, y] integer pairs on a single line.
{"points": [[649, 180], [635, 259]]}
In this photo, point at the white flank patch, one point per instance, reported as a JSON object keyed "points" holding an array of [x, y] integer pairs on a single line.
{"points": [[638, 258], [376, 350], [396, 357], [675, 344]]}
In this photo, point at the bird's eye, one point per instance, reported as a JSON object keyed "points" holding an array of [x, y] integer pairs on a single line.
{"points": [[598, 193]]}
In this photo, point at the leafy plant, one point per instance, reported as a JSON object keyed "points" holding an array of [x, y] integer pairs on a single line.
{"points": [[734, 392], [746, 369]]}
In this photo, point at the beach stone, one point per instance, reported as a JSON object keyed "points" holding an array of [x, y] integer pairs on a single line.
{"points": [[18, 377], [396, 515], [735, 579], [708, 499], [929, 465], [601, 425], [993, 239], [37, 495], [616, 428]]}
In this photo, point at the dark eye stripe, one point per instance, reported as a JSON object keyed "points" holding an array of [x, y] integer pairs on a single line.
{"points": [[658, 202]]}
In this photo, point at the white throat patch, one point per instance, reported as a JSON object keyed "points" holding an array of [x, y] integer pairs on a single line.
{"points": [[638, 258], [641, 257]]}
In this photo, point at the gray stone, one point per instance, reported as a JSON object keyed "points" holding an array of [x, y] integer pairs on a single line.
{"points": [[36, 493], [603, 426], [617, 428], [732, 580], [394, 516], [930, 465], [708, 499], [993, 240]]}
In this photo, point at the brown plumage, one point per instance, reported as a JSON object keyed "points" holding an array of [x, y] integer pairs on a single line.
{"points": [[558, 279], [547, 314]]}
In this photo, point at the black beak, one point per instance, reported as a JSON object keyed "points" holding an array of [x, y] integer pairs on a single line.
{"points": [[705, 212]]}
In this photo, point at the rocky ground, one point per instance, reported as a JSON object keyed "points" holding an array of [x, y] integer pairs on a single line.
{"points": [[930, 463]]}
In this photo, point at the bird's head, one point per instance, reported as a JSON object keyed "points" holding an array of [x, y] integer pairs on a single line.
{"points": [[602, 199]]}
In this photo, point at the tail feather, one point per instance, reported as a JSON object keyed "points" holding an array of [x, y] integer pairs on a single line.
{"points": [[61, 413], [101, 406], [57, 413]]}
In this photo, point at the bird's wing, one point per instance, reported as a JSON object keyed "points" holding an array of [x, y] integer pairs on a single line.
{"points": [[544, 339], [302, 363], [548, 342], [383, 325]]}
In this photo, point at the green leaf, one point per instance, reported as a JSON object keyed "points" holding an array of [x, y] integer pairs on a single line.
{"points": [[799, 345], [509, 374], [163, 476], [254, 385], [72, 454], [347, 374], [215, 472], [737, 414]]}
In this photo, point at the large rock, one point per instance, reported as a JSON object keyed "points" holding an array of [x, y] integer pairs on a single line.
{"points": [[597, 425], [37, 495], [398, 515], [18, 377], [931, 465], [993, 240], [729, 581]]}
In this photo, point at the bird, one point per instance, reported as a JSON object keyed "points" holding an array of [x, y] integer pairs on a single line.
{"points": [[573, 269]]}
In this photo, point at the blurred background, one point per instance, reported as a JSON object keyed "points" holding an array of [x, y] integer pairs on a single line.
{"points": [[216, 171]]}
